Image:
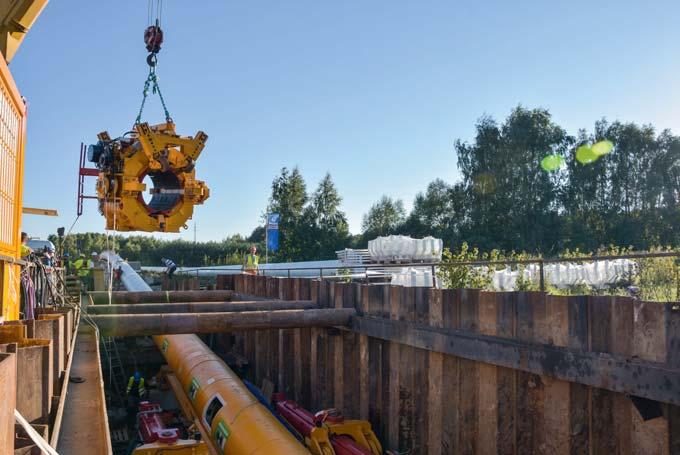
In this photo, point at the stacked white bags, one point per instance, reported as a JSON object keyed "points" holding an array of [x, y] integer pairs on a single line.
{"points": [[404, 248], [414, 277], [596, 274]]}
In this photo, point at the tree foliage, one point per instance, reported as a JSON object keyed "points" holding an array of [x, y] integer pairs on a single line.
{"points": [[311, 227], [506, 200], [149, 250], [383, 218]]}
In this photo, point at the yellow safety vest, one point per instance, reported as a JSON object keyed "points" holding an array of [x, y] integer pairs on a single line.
{"points": [[79, 265], [25, 251], [140, 388], [252, 261]]}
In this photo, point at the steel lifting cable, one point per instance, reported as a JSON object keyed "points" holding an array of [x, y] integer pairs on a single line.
{"points": [[153, 38]]}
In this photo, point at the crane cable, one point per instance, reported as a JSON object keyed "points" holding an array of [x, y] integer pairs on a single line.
{"points": [[153, 38]]}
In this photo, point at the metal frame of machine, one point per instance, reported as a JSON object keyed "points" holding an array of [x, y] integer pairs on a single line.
{"points": [[123, 163]]}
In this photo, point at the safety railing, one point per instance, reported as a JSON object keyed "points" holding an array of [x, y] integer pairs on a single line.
{"points": [[376, 271]]}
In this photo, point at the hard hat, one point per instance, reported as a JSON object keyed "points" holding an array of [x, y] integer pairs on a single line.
{"points": [[81, 255], [66, 255], [137, 376], [94, 253]]}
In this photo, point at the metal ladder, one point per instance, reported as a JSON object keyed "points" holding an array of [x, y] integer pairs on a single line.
{"points": [[116, 371]]}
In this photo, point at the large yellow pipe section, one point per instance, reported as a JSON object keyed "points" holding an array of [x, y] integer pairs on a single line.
{"points": [[238, 423]]}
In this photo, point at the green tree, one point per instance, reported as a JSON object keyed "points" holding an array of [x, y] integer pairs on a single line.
{"points": [[288, 198], [437, 212], [385, 217], [329, 222], [512, 203]]}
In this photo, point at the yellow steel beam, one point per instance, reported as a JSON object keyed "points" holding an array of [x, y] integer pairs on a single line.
{"points": [[16, 18], [36, 211]]}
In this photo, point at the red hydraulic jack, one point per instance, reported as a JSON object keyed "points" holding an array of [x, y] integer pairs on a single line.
{"points": [[327, 432]]}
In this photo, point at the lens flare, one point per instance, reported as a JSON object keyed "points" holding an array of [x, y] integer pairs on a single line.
{"points": [[552, 163], [586, 155]]}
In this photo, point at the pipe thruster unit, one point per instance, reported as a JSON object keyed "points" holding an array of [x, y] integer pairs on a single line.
{"points": [[237, 421], [168, 159]]}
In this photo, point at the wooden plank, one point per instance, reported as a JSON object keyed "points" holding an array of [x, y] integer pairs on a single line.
{"points": [[315, 368], [621, 344], [529, 385], [605, 409], [297, 350], [579, 394], [351, 356], [505, 377], [407, 424], [487, 414], [553, 328], [286, 376], [421, 374], [649, 342], [361, 302], [338, 353], [469, 376], [434, 377], [372, 303], [395, 296], [450, 377]]}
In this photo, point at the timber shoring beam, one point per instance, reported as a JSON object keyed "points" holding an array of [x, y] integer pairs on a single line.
{"points": [[645, 379], [201, 307], [172, 323], [122, 297]]}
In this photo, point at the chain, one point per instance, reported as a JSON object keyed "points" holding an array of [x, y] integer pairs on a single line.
{"points": [[152, 82]]}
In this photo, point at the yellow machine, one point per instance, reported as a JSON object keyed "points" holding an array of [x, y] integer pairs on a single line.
{"points": [[235, 419], [167, 158], [16, 18]]}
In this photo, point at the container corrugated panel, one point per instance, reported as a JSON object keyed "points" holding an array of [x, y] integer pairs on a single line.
{"points": [[12, 139]]}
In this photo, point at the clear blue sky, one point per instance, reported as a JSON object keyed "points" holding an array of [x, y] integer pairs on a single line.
{"points": [[374, 92]]}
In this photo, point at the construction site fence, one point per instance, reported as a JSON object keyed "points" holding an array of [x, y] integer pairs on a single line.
{"points": [[468, 371]]}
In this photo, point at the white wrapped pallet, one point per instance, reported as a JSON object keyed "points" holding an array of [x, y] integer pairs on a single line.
{"points": [[404, 248]]}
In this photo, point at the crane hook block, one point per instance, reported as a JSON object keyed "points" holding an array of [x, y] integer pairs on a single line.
{"points": [[153, 38], [167, 159]]}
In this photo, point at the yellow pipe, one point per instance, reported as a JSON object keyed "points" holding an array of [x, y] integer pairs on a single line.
{"points": [[238, 422]]}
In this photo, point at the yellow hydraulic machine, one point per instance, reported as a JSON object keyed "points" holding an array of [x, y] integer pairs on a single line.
{"points": [[167, 158]]}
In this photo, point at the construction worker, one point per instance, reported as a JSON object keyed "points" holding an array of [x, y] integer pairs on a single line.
{"points": [[80, 266], [135, 393], [25, 249], [117, 278], [81, 270], [66, 263], [135, 386], [251, 263], [170, 267], [93, 260]]}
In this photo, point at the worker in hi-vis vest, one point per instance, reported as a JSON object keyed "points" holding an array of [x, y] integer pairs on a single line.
{"points": [[135, 393], [251, 263], [135, 386]]}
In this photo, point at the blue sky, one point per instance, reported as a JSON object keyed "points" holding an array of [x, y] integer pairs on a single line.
{"points": [[376, 93]]}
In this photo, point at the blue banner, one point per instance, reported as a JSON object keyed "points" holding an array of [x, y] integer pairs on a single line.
{"points": [[273, 231], [272, 239]]}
